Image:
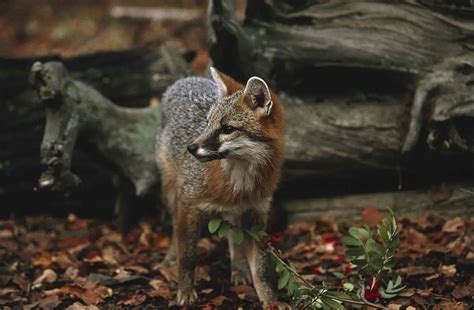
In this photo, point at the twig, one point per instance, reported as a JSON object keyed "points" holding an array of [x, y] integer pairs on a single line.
{"points": [[364, 301]]}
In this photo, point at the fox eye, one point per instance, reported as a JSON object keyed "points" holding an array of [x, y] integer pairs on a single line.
{"points": [[226, 129]]}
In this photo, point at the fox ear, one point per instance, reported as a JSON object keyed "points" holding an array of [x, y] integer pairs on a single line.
{"points": [[258, 95], [218, 79]]}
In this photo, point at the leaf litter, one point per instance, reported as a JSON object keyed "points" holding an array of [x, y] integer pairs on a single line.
{"points": [[74, 263]]}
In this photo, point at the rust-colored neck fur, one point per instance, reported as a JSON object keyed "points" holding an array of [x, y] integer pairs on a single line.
{"points": [[266, 175]]}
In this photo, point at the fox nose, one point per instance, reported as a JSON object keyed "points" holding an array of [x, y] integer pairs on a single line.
{"points": [[192, 148]]}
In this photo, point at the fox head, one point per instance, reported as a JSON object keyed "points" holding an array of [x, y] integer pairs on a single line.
{"points": [[246, 122]]}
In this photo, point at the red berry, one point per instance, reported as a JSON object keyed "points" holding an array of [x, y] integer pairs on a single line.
{"points": [[347, 269], [316, 270], [340, 258]]}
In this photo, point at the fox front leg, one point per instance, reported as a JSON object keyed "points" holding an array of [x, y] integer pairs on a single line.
{"points": [[258, 262], [240, 271], [189, 223]]}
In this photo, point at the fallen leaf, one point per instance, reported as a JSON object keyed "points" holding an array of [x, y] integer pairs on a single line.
{"points": [[7, 291], [78, 306], [425, 292], [48, 276], [170, 273], [450, 305], [207, 290], [416, 270], [249, 291], [448, 271], [453, 225], [50, 302], [87, 294], [217, 301], [461, 291], [371, 216], [43, 259], [202, 273], [71, 272], [161, 289], [134, 300], [394, 306]]}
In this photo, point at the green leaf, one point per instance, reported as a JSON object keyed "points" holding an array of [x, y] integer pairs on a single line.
{"points": [[338, 275], [339, 294], [223, 230], [385, 294], [331, 303], [359, 262], [354, 232], [350, 241], [284, 278], [364, 233], [279, 267], [383, 233], [355, 252], [348, 286], [238, 235], [291, 286], [214, 225]]}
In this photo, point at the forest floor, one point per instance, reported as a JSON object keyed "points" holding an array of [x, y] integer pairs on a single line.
{"points": [[72, 263]]}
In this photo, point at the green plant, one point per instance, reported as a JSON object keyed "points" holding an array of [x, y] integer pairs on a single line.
{"points": [[371, 271]]}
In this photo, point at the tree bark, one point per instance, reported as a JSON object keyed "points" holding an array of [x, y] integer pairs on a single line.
{"points": [[350, 71]]}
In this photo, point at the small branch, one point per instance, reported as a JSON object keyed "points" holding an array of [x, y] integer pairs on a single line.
{"points": [[297, 275]]}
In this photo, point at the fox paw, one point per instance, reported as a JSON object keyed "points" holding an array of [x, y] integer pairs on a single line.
{"points": [[240, 278], [186, 298], [277, 306]]}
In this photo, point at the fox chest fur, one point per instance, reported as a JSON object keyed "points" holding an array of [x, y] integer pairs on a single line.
{"points": [[225, 147]]}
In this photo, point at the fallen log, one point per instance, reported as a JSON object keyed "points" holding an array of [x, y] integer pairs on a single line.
{"points": [[457, 200], [131, 78]]}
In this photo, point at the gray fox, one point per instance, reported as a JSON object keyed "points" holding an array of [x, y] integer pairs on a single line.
{"points": [[220, 152]]}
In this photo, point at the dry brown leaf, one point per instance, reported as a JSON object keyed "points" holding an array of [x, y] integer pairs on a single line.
{"points": [[371, 216], [48, 276], [449, 270], [71, 272], [453, 225], [78, 306], [86, 293], [202, 273], [170, 273], [417, 270], [134, 300], [50, 302], [217, 301], [161, 289], [451, 306], [7, 291], [249, 291], [425, 292], [21, 282], [461, 291], [162, 242], [137, 269], [207, 290], [44, 259]]}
